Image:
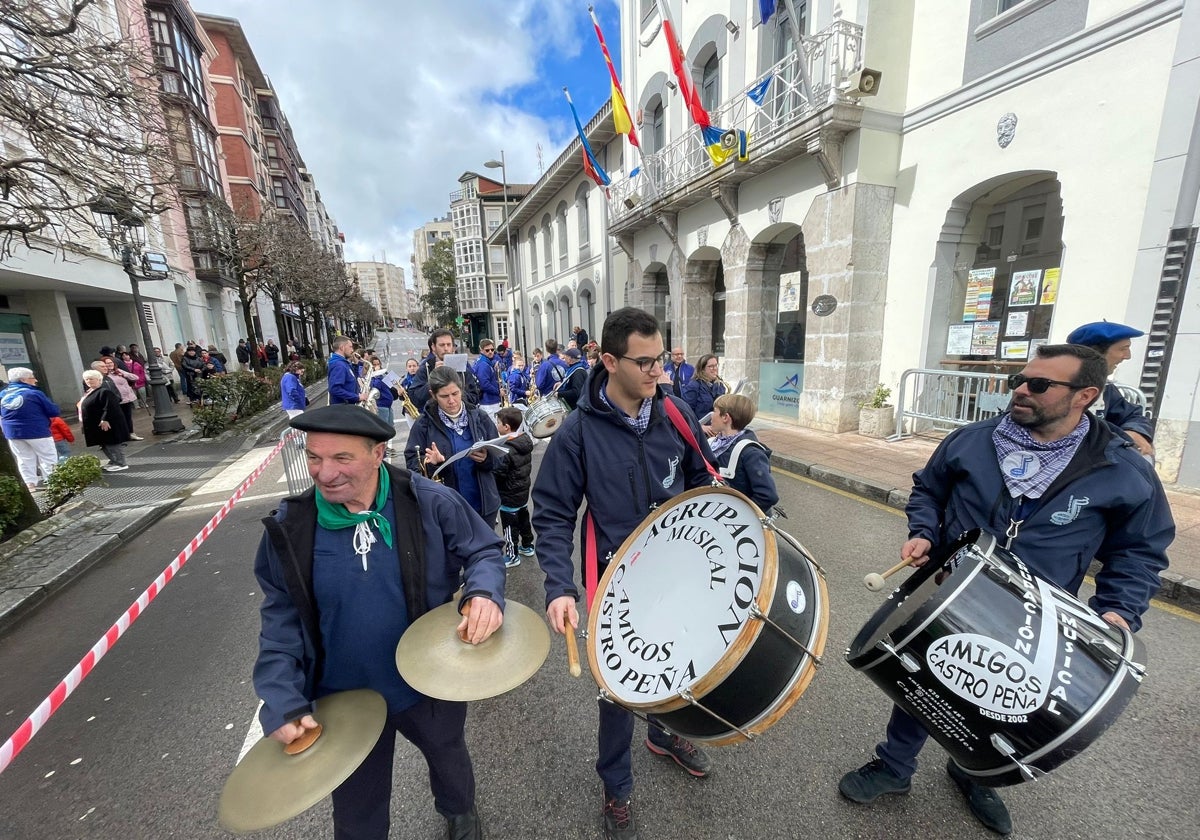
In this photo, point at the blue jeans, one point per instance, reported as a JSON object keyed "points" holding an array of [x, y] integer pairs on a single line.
{"points": [[385, 414], [905, 738]]}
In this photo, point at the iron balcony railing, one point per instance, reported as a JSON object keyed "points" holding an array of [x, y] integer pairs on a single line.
{"points": [[831, 55]]}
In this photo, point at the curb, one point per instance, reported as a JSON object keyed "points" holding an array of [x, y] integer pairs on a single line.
{"points": [[1180, 592]]}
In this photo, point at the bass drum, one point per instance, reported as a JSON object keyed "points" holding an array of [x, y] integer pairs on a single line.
{"points": [[1009, 673], [545, 416], [707, 621]]}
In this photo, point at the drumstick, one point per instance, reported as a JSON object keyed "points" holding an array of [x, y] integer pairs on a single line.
{"points": [[572, 649], [874, 581]]}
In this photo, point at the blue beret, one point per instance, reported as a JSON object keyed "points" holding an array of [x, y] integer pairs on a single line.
{"points": [[1102, 332], [344, 420]]}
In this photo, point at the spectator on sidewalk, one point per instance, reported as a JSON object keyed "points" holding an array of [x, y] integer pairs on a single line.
{"points": [[678, 372], [139, 382], [242, 353], [168, 372], [190, 368], [743, 461], [580, 337], [213, 352], [291, 389], [63, 437], [513, 481], [212, 365], [25, 414], [103, 421], [124, 380], [272, 350], [704, 388]]}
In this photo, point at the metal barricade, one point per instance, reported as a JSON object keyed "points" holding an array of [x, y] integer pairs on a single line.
{"points": [[932, 401], [295, 466]]}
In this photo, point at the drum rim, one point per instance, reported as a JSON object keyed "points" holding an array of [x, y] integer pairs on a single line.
{"points": [[747, 635], [534, 415]]}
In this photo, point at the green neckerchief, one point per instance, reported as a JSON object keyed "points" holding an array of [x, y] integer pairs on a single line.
{"points": [[335, 517]]}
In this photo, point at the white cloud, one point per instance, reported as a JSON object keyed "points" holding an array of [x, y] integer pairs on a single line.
{"points": [[389, 105]]}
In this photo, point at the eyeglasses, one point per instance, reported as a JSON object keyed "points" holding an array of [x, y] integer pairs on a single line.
{"points": [[647, 363], [1038, 384]]}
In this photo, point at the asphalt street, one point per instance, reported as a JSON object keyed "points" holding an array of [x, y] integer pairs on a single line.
{"points": [[142, 748]]}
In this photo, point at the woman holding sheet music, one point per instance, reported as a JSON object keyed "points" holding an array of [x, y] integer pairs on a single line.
{"points": [[447, 427]]}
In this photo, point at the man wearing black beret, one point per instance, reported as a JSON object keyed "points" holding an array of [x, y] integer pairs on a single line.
{"points": [[345, 567]]}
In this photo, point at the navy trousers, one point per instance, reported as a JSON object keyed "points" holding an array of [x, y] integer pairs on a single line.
{"points": [[615, 762], [905, 738], [362, 803]]}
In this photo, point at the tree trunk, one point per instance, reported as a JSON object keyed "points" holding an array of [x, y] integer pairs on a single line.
{"points": [[280, 320], [29, 509], [251, 335]]}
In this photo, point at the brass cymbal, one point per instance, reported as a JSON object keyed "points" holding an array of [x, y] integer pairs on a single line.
{"points": [[434, 661], [269, 787]]}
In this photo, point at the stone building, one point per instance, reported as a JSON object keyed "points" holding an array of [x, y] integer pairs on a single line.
{"points": [[424, 239]]}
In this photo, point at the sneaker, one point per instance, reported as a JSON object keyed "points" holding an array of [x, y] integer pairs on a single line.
{"points": [[686, 754], [525, 551], [511, 562], [618, 820], [984, 802], [136, 437], [871, 781], [116, 468], [464, 826]]}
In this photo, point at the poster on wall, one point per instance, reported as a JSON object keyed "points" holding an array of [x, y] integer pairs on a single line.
{"points": [[1034, 344], [789, 297], [958, 342], [1014, 351], [1018, 323], [978, 304], [12, 350], [1050, 286], [1023, 291], [984, 337]]}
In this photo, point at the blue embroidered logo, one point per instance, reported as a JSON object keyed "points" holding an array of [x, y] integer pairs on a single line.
{"points": [[670, 479], [1065, 517]]}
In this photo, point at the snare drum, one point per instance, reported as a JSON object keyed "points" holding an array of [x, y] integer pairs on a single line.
{"points": [[707, 621], [545, 416], [1012, 675]]}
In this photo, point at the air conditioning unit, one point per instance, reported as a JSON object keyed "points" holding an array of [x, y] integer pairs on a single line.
{"points": [[864, 82], [633, 200]]}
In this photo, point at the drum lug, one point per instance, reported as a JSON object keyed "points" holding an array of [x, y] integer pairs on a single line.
{"points": [[907, 661], [686, 694], [1029, 772], [756, 612]]}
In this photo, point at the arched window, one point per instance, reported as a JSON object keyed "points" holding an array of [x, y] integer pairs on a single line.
{"points": [[581, 210], [533, 263], [546, 250], [560, 219], [565, 324], [710, 83], [658, 126]]}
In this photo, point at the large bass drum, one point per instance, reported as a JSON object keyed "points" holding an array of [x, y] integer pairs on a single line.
{"points": [[1009, 673], [545, 416], [707, 621]]}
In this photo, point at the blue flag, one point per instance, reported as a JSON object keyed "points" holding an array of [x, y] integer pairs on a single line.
{"points": [[766, 8], [590, 165], [758, 93]]}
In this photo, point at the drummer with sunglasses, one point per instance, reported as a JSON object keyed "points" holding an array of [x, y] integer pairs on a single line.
{"points": [[621, 452], [1058, 487]]}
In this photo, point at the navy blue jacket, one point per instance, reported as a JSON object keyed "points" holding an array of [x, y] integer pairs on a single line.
{"points": [[386, 395], [1125, 415], [573, 383], [25, 412], [518, 384], [549, 373], [686, 372], [597, 456], [429, 428], [700, 395], [419, 392], [753, 476], [343, 381], [444, 540], [292, 391], [1107, 504], [489, 382]]}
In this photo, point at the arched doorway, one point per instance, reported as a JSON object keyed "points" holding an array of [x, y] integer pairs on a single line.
{"points": [[656, 298]]}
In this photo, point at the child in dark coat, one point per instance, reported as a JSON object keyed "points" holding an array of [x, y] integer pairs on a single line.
{"points": [[744, 462], [512, 480]]}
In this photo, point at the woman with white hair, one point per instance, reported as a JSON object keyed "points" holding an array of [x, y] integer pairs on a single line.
{"points": [[25, 414], [103, 420]]}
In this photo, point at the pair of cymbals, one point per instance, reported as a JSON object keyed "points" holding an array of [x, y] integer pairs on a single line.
{"points": [[434, 661]]}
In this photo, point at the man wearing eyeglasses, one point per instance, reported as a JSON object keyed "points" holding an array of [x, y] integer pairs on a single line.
{"points": [[621, 453], [1056, 486]]}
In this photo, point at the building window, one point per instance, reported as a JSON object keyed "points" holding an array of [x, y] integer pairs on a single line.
{"points": [[560, 218], [496, 259], [465, 217], [493, 219], [549, 254], [498, 297], [710, 84], [280, 193], [658, 127], [581, 209], [533, 263], [468, 256], [502, 333]]}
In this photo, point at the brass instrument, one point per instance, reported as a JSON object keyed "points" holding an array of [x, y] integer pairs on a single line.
{"points": [[371, 394], [409, 408], [504, 403]]}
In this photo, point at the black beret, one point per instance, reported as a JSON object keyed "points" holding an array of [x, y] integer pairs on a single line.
{"points": [[344, 420]]}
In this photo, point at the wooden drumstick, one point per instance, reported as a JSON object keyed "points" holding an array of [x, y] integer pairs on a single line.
{"points": [[874, 581], [572, 649]]}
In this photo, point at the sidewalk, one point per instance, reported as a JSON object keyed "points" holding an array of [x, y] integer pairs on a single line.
{"points": [[882, 470]]}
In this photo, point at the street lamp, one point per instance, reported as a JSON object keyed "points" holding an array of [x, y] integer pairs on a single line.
{"points": [[514, 264], [125, 231]]}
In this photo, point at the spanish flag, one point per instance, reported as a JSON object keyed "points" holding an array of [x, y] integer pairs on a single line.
{"points": [[621, 119]]}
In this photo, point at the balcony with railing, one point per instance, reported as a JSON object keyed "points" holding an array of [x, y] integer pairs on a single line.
{"points": [[784, 126]]}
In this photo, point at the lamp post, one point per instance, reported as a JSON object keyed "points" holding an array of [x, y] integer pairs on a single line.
{"points": [[125, 232], [514, 264]]}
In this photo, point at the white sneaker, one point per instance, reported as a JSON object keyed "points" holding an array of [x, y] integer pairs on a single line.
{"points": [[116, 468], [136, 437]]}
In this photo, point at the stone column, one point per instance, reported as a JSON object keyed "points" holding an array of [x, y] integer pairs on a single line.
{"points": [[847, 236], [751, 301], [57, 348], [693, 308]]}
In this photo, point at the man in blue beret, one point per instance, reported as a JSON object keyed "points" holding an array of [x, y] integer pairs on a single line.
{"points": [[1112, 341], [345, 568]]}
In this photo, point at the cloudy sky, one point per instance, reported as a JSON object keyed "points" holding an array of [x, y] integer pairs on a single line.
{"points": [[389, 105]]}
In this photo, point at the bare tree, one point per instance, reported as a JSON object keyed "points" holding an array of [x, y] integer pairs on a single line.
{"points": [[80, 112]]}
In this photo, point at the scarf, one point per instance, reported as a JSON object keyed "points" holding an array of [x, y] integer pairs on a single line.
{"points": [[1029, 466], [458, 424], [334, 517], [722, 442]]}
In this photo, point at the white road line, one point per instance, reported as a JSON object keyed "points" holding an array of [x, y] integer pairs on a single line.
{"points": [[253, 736], [216, 503], [233, 475]]}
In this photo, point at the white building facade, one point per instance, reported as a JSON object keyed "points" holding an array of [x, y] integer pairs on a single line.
{"points": [[382, 285], [1024, 167], [424, 238]]}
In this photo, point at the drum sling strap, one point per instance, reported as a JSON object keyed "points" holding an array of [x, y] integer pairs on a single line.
{"points": [[731, 470]]}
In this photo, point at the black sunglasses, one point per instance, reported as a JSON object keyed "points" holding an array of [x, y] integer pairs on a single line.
{"points": [[1038, 384]]}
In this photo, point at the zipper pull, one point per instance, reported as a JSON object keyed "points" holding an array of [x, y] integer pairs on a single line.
{"points": [[1014, 528]]}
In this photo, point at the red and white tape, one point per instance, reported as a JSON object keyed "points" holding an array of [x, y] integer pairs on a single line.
{"points": [[25, 732]]}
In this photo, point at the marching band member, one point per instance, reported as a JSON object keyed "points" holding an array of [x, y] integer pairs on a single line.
{"points": [[518, 379], [1057, 486], [343, 378], [704, 387]]}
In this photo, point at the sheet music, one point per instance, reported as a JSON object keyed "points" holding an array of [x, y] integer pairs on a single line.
{"points": [[495, 444]]}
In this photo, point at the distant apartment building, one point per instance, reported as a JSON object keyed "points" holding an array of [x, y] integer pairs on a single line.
{"points": [[321, 226], [382, 285], [424, 239]]}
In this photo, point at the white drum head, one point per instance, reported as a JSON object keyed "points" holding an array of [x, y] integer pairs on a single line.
{"points": [[671, 611]]}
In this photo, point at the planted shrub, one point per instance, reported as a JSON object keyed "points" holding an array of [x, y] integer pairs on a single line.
{"points": [[70, 478]]}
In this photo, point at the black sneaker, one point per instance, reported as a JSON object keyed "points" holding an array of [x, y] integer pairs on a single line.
{"points": [[464, 826], [984, 802], [871, 781], [686, 754], [618, 820]]}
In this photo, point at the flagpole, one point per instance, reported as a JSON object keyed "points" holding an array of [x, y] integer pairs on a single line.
{"points": [[801, 58]]}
